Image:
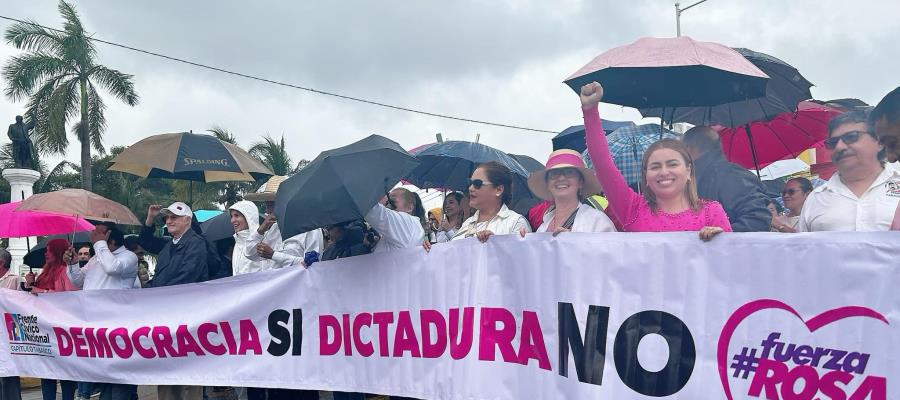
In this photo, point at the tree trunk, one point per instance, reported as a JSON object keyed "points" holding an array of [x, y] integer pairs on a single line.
{"points": [[85, 138]]}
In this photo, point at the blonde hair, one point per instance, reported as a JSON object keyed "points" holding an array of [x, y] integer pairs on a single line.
{"points": [[690, 189]]}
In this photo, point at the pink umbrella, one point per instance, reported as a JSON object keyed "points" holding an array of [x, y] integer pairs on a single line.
{"points": [[14, 224], [784, 136], [672, 72]]}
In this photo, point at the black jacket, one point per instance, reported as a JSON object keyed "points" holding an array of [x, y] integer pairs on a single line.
{"points": [[738, 190], [176, 264]]}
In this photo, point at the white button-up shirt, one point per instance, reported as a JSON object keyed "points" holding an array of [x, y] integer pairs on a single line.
{"points": [[506, 222], [106, 269], [833, 207]]}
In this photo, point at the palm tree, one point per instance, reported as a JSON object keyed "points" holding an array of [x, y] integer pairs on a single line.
{"points": [[274, 155], [61, 80]]}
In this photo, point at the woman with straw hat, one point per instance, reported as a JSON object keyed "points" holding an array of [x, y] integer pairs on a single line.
{"points": [[265, 242], [565, 182]]}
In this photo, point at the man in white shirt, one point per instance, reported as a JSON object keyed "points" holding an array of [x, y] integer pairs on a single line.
{"points": [[265, 242], [864, 193], [112, 267]]}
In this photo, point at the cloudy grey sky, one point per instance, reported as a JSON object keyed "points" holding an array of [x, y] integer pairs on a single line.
{"points": [[492, 60]]}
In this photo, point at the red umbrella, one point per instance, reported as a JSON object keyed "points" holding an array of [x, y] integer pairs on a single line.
{"points": [[16, 224], [785, 136]]}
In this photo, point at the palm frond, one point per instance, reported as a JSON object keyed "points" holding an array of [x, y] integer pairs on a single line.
{"points": [[273, 154], [117, 83], [47, 137], [77, 45], [23, 73], [222, 134], [62, 105], [31, 36], [49, 178], [96, 118]]}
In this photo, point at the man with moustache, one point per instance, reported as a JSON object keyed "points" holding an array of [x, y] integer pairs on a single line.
{"points": [[865, 192]]}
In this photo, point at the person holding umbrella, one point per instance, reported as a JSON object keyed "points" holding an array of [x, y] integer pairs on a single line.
{"points": [[565, 182], [112, 267], [53, 278], [399, 219], [265, 243], [490, 189], [669, 201], [183, 259]]}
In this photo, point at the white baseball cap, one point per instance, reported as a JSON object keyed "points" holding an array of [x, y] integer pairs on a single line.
{"points": [[177, 208]]}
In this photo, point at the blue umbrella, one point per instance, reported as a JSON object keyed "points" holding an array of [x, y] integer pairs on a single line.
{"points": [[205, 215], [627, 146], [573, 137], [448, 165]]}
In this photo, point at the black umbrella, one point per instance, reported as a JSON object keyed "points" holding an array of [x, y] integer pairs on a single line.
{"points": [[449, 165], [340, 185], [530, 164], [35, 257], [573, 137], [218, 227], [786, 88]]}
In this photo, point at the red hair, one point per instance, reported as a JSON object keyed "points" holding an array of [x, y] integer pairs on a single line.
{"points": [[50, 273]]}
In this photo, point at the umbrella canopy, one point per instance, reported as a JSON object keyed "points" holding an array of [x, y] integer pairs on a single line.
{"points": [[340, 185], [528, 163], [627, 146], [206, 215], [218, 227], [189, 156], [16, 224], [448, 165], [782, 168], [785, 136], [35, 257], [82, 203], [573, 137], [786, 88], [672, 72]]}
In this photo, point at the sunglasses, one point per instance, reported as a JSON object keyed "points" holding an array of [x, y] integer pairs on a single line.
{"points": [[790, 192], [565, 172], [848, 138], [478, 183]]}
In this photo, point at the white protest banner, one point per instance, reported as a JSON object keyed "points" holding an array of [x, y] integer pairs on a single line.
{"points": [[605, 316]]}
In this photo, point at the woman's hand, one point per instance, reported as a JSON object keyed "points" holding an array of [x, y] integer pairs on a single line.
{"points": [[709, 232], [426, 245], [522, 232], [29, 278], [483, 236], [591, 94]]}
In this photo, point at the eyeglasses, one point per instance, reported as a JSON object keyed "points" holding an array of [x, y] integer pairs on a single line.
{"points": [[848, 138], [564, 172], [478, 183], [790, 192]]}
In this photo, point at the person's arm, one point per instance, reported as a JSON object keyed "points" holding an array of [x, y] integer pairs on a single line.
{"points": [[393, 226], [522, 224], [110, 264], [76, 275], [599, 221], [149, 241], [291, 251], [621, 197], [249, 249], [744, 202]]}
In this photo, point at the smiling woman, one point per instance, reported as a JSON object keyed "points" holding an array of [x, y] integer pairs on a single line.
{"points": [[670, 201]]}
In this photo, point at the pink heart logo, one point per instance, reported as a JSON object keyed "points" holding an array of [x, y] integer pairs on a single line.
{"points": [[812, 324]]}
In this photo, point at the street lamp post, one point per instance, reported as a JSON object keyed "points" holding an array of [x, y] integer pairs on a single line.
{"points": [[678, 11]]}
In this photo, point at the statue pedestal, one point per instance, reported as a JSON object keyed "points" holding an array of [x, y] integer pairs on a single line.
{"points": [[21, 184]]}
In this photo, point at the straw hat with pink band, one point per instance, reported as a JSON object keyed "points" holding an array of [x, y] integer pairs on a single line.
{"points": [[564, 158]]}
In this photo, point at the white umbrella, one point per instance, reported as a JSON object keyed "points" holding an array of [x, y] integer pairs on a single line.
{"points": [[782, 168]]}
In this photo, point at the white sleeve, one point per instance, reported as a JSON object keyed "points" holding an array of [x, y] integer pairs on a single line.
{"points": [[111, 265], [291, 252], [803, 223], [396, 228], [522, 223], [601, 222], [76, 275], [249, 249]]}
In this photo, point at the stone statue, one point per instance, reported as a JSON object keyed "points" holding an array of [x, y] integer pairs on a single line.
{"points": [[21, 143]]}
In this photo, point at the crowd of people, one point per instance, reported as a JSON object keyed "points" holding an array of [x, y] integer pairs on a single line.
{"points": [[685, 185]]}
